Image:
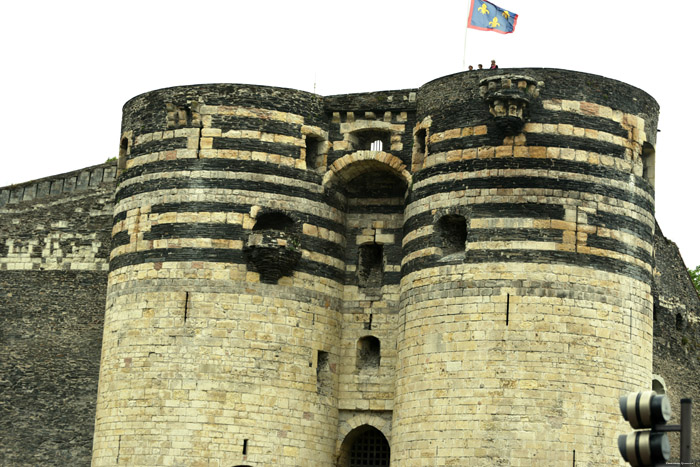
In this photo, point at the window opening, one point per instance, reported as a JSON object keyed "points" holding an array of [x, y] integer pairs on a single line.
{"points": [[452, 234], [370, 265], [649, 163], [372, 140], [376, 145], [679, 321], [323, 373], [419, 148], [368, 352], [658, 386], [123, 149], [314, 158]]}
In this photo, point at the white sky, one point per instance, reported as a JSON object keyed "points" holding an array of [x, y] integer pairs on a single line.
{"points": [[68, 67]]}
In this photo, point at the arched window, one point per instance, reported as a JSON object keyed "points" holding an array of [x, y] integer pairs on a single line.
{"points": [[658, 385]]}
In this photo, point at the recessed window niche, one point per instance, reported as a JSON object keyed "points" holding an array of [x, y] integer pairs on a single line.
{"points": [[368, 352], [370, 265], [451, 232], [314, 153]]}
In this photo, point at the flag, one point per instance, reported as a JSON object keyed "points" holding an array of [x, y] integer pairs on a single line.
{"points": [[488, 17]]}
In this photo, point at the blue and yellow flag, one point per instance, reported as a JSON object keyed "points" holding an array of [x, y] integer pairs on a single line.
{"points": [[488, 17]]}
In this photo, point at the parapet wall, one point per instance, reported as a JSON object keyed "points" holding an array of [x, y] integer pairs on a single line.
{"points": [[77, 180], [58, 223]]}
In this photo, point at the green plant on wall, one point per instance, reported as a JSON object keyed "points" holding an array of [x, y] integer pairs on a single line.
{"points": [[695, 277]]}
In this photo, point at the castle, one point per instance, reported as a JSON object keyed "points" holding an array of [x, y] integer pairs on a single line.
{"points": [[467, 273]]}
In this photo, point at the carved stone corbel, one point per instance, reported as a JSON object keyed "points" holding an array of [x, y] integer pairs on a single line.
{"points": [[509, 98]]}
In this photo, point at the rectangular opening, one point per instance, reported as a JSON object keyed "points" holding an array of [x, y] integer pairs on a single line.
{"points": [[323, 373], [370, 265]]}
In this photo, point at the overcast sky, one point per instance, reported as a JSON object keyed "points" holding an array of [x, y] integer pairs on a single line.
{"points": [[68, 67]]}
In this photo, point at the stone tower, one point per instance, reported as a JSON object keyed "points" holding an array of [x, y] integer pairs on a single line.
{"points": [[458, 274]]}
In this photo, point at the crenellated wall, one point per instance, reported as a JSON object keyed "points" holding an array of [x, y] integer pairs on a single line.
{"points": [[58, 223]]}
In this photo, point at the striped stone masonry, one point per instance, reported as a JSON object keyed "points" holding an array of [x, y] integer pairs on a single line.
{"points": [[459, 274]]}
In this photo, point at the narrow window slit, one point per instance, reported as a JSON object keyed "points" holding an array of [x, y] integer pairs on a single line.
{"points": [[323, 373], [368, 324], [187, 303], [245, 447], [507, 308]]}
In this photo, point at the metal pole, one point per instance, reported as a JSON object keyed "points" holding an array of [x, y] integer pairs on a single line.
{"points": [[686, 427], [464, 55]]}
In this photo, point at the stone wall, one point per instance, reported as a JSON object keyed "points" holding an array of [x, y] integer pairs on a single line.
{"points": [[213, 351], [58, 223], [468, 268], [54, 253], [676, 334], [526, 305], [50, 334]]}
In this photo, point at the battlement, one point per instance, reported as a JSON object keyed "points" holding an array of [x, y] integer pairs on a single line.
{"points": [[76, 180]]}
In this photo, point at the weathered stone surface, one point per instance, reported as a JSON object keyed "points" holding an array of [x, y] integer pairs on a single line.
{"points": [[477, 297], [50, 338]]}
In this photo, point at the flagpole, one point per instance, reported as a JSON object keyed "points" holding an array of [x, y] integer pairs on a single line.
{"points": [[464, 55]]}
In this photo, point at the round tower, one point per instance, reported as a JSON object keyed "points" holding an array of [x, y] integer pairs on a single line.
{"points": [[221, 326], [526, 306], [456, 274]]}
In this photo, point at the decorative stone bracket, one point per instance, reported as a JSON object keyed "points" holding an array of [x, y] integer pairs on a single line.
{"points": [[272, 253], [509, 98]]}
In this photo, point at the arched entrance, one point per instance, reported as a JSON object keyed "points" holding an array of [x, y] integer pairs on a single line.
{"points": [[365, 446]]}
